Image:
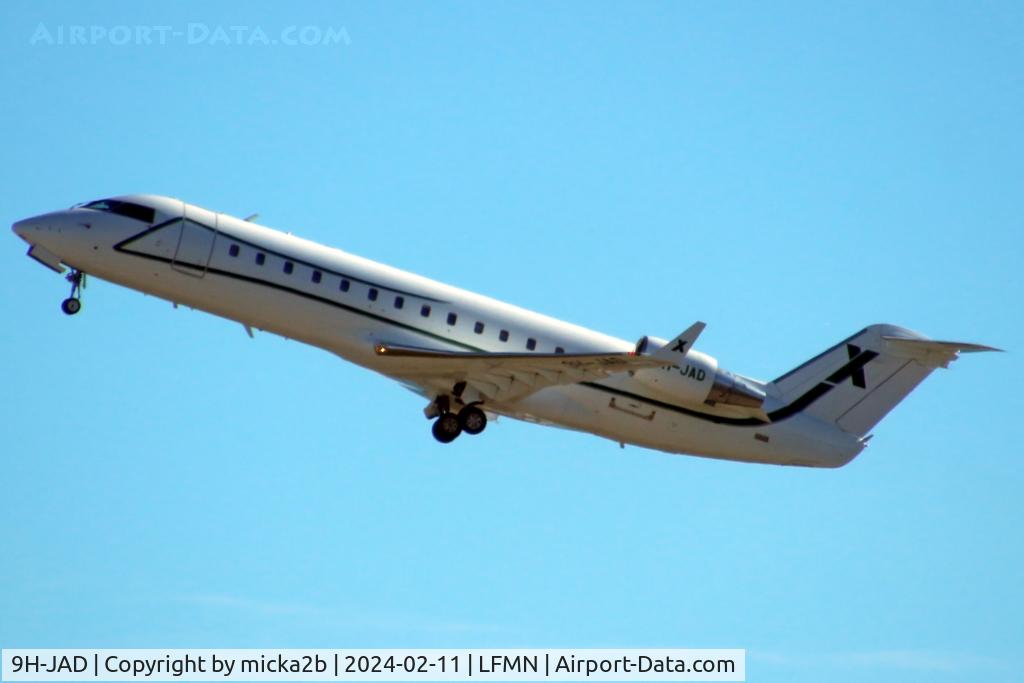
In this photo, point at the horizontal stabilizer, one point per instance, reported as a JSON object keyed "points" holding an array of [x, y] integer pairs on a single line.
{"points": [[931, 353]]}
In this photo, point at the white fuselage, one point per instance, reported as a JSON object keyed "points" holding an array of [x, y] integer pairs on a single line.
{"points": [[346, 304]]}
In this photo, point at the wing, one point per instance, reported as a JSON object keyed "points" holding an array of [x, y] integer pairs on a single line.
{"points": [[504, 377]]}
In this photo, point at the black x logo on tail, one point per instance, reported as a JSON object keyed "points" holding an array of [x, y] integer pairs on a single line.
{"points": [[680, 346], [857, 376]]}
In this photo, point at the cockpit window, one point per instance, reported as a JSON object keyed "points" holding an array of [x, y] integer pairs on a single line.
{"points": [[136, 211]]}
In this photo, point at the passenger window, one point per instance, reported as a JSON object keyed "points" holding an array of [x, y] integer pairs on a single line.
{"points": [[425, 311], [261, 258], [452, 318], [531, 343], [372, 294], [399, 302], [233, 250], [289, 267], [343, 286], [503, 335], [317, 276], [478, 328]]}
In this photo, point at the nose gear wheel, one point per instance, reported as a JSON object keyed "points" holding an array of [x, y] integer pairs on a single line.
{"points": [[73, 304]]}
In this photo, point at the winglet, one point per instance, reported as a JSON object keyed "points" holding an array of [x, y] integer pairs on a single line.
{"points": [[677, 349]]}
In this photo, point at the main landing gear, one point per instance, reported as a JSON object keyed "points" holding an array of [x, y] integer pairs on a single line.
{"points": [[448, 425], [73, 304]]}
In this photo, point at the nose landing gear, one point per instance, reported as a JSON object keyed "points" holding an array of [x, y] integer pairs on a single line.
{"points": [[73, 304]]}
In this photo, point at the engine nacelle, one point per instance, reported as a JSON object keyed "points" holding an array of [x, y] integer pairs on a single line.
{"points": [[691, 382], [697, 380]]}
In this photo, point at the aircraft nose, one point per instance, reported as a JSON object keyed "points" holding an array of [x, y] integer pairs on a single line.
{"points": [[24, 228]]}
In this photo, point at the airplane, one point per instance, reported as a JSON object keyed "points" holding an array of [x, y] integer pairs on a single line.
{"points": [[474, 358]]}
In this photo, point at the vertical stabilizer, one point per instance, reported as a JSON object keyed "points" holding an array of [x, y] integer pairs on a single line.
{"points": [[858, 381]]}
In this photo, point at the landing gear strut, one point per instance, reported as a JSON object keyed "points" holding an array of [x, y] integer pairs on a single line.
{"points": [[73, 304], [448, 425]]}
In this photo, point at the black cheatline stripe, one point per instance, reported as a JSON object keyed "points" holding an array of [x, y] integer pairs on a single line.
{"points": [[801, 402], [737, 421], [119, 246], [780, 414], [855, 365], [307, 295], [798, 405], [122, 246], [818, 357]]}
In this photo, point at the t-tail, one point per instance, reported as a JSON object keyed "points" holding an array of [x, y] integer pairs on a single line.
{"points": [[858, 381]]}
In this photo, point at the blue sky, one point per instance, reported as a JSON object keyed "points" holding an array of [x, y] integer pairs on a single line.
{"points": [[788, 174]]}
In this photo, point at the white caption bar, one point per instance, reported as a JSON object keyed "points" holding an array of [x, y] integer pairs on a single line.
{"points": [[374, 665]]}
